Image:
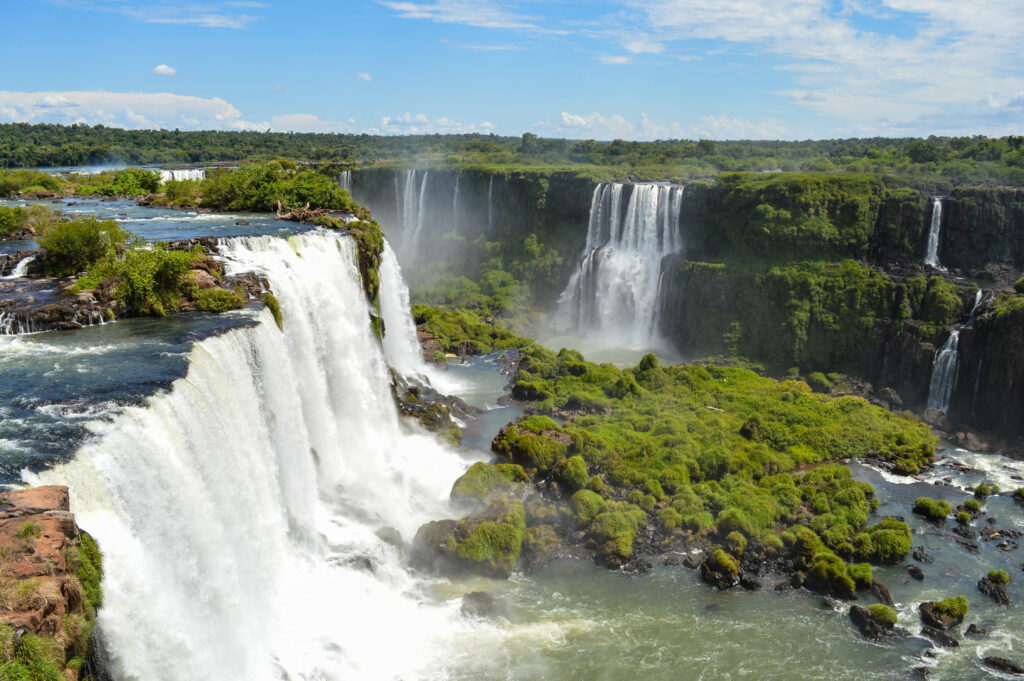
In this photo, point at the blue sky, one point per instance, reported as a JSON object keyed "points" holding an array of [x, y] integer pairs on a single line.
{"points": [[635, 69]]}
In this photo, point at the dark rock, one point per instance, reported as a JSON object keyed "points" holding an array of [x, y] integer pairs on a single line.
{"points": [[241, 222], [717, 575], [997, 593], [1004, 665], [915, 572], [693, 561], [672, 561], [479, 604], [881, 594], [783, 587], [921, 555], [931, 616], [873, 629], [939, 636], [798, 579], [749, 582], [920, 673], [965, 531], [390, 535], [975, 630], [360, 563]]}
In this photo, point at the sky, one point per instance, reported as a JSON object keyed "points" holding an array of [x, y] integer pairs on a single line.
{"points": [[605, 69]]}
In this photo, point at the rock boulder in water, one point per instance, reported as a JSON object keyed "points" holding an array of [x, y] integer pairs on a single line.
{"points": [[997, 593], [1005, 665]]}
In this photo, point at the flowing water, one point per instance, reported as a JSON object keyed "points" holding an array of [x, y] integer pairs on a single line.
{"points": [[180, 174], [931, 256], [944, 373]]}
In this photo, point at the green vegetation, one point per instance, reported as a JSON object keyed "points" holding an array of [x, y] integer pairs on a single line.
{"points": [[955, 607], [973, 505], [74, 246], [862, 575], [494, 540], [723, 563], [30, 659], [573, 472], [151, 280], [964, 518], [18, 220], [270, 300], [933, 509], [219, 300], [983, 491], [464, 331], [128, 182], [483, 481], [999, 576], [30, 529], [259, 187], [883, 613], [1018, 285]]}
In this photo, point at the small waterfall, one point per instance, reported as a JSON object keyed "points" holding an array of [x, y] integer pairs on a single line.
{"points": [[455, 203], [182, 174], [345, 180], [490, 206], [944, 374], [410, 198], [931, 256], [615, 287], [237, 512], [977, 385], [401, 349], [20, 269], [977, 302]]}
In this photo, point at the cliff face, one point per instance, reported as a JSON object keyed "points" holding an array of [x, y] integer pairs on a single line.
{"points": [[49, 586], [982, 227]]}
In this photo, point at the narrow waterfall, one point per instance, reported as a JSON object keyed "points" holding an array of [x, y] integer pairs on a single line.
{"points": [[944, 374], [238, 511], [977, 302], [614, 289], [455, 203], [410, 200], [20, 269], [490, 206], [345, 180], [931, 256], [182, 174]]}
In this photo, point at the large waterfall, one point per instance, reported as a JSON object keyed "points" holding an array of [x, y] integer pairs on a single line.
{"points": [[614, 289], [238, 511], [944, 373], [931, 256], [410, 197]]}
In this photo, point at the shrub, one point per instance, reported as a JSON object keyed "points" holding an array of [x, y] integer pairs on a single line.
{"points": [[964, 518], [955, 607], [736, 543], [218, 300], [829, 574], [883, 613], [999, 576], [982, 491], [972, 505], [1018, 285], [573, 472], [862, 575], [724, 563], [588, 504], [933, 509], [30, 529], [73, 246]]}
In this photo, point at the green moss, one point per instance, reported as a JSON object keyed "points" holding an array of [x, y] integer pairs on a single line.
{"points": [[862, 575], [983, 491], [999, 576], [597, 484], [573, 472], [955, 607], [829, 574], [615, 528], [1018, 285], [885, 542], [883, 613], [972, 505], [933, 509], [219, 300], [369, 241], [588, 505], [964, 518], [270, 300], [722, 562], [483, 481], [494, 545], [525, 445], [736, 543], [90, 571]]}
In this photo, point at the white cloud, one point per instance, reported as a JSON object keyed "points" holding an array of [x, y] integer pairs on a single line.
{"points": [[479, 13], [123, 110], [364, 77], [164, 70], [205, 14], [303, 122], [599, 126], [421, 124], [616, 60]]}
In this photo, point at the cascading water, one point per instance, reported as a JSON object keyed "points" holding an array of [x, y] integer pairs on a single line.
{"points": [[455, 203], [490, 206], [345, 180], [20, 269], [931, 256], [615, 287], [944, 374], [237, 512], [182, 174], [977, 302], [410, 198]]}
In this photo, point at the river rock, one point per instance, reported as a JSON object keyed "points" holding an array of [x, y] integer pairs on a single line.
{"points": [[915, 572], [479, 604], [937, 419], [872, 628], [975, 630], [1005, 665], [718, 575], [939, 636], [997, 593], [881, 593], [921, 555], [931, 616]]}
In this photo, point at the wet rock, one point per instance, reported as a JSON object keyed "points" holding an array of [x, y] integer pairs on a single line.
{"points": [[975, 630], [965, 531], [915, 572], [937, 419], [996, 593], [784, 586], [881, 594], [968, 546], [720, 572], [890, 397], [479, 604], [798, 579], [932, 616], [693, 561], [1004, 665], [872, 628], [241, 222], [921, 555], [920, 673], [939, 636], [750, 583], [390, 535]]}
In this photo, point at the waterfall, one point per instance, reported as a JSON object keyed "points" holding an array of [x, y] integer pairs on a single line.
{"points": [[455, 203], [977, 302], [237, 511], [20, 269], [944, 374], [931, 256], [410, 198], [182, 174], [614, 289], [345, 180], [490, 206], [977, 385]]}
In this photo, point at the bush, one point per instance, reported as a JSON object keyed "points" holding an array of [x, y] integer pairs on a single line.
{"points": [[983, 491], [862, 575], [736, 543], [573, 472], [724, 563], [955, 607], [933, 509], [972, 505], [74, 246], [218, 300], [1018, 285], [999, 576], [588, 504], [883, 613], [964, 518]]}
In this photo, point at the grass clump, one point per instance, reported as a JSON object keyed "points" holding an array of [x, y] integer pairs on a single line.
{"points": [[932, 509], [270, 300], [955, 607], [883, 613], [862, 575], [588, 505], [972, 505], [30, 529], [483, 481], [983, 491], [999, 576], [736, 543], [219, 300], [723, 563], [573, 472]]}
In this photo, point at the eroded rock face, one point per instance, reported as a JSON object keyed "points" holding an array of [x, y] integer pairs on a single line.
{"points": [[49, 582]]}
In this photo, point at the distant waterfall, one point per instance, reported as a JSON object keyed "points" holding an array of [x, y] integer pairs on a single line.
{"points": [[345, 180], [944, 374], [182, 174], [455, 203], [410, 197], [490, 205], [237, 511], [977, 302], [614, 289], [931, 256]]}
